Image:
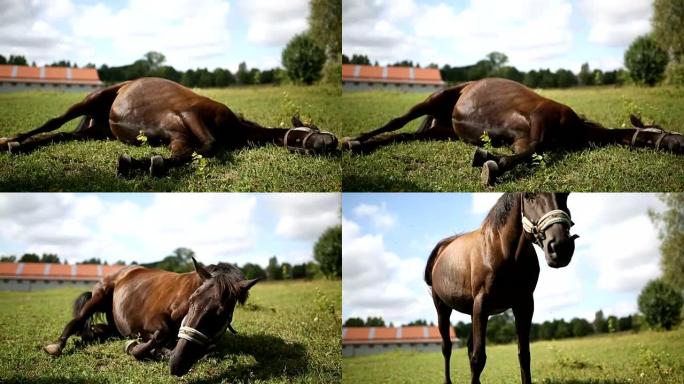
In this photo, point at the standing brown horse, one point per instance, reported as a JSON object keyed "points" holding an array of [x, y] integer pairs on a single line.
{"points": [[165, 113], [510, 114], [495, 267], [187, 310]]}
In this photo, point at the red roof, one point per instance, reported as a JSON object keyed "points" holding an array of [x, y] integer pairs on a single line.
{"points": [[53, 75], [49, 271], [389, 335], [375, 74]]}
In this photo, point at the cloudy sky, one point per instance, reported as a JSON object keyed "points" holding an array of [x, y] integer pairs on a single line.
{"points": [[388, 237], [533, 33], [229, 227], [191, 33]]}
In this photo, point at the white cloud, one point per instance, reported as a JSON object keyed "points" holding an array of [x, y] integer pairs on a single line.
{"points": [[378, 214], [483, 202], [616, 22], [274, 22], [304, 216]]}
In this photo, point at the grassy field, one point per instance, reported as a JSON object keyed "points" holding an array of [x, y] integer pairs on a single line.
{"points": [[288, 332], [646, 357], [445, 166], [91, 166]]}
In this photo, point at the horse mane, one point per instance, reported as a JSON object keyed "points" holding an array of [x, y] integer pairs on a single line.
{"points": [[228, 278], [433, 256], [498, 215]]}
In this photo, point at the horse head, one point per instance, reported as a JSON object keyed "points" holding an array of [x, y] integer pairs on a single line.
{"points": [[546, 221], [210, 313]]}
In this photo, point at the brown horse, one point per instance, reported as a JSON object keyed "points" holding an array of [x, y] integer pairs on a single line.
{"points": [[509, 114], [495, 267], [165, 113], [187, 311]]}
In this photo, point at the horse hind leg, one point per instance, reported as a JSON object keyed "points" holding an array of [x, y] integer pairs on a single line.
{"points": [[85, 306], [443, 316], [430, 129]]}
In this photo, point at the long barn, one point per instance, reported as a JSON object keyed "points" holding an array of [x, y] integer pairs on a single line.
{"points": [[36, 276], [23, 78], [360, 341], [357, 77]]}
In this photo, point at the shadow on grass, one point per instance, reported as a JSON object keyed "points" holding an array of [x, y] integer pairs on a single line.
{"points": [[274, 357], [377, 183], [45, 380], [584, 381]]}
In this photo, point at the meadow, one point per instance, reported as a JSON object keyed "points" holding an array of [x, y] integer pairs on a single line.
{"points": [[647, 357], [446, 166], [289, 332], [91, 166]]}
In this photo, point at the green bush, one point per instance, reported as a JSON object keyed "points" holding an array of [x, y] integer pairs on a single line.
{"points": [[661, 305], [303, 59], [328, 252], [674, 73], [645, 61]]}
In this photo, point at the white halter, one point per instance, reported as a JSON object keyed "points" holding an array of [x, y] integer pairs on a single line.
{"points": [[192, 335], [536, 229]]}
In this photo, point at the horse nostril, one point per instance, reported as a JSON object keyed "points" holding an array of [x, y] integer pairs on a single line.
{"points": [[552, 246]]}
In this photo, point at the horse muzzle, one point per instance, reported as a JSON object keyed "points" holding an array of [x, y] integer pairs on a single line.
{"points": [[559, 251]]}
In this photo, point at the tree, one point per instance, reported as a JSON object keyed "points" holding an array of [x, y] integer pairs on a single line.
{"points": [[189, 78], [462, 330], [243, 75], [8, 259], [580, 327], [17, 60], [531, 79], [497, 59], [3, 59], [565, 78], [286, 271], [345, 59], [585, 76], [325, 25], [92, 260], [375, 322], [354, 322], [600, 323], [223, 77], [661, 305], [612, 324], [360, 59], [417, 322], [328, 252], [253, 271], [668, 26], [303, 59], [180, 260], [49, 258], [155, 59], [273, 270], [670, 223], [29, 258], [645, 61], [205, 79]]}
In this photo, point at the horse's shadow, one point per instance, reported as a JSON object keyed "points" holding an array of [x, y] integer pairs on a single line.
{"points": [[274, 358]]}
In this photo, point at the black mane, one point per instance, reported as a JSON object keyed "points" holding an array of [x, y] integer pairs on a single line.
{"points": [[498, 215], [228, 278]]}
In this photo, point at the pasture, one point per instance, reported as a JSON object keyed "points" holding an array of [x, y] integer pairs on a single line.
{"points": [[646, 357], [91, 166], [288, 332], [445, 166]]}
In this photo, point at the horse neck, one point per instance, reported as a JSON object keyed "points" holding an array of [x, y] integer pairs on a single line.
{"points": [[595, 133], [511, 235]]}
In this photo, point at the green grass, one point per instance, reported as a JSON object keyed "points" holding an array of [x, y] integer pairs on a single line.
{"points": [[647, 357], [445, 166], [288, 332], [91, 166]]}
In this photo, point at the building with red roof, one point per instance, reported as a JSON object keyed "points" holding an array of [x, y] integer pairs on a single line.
{"points": [[359, 341], [24, 78], [36, 276], [357, 77]]}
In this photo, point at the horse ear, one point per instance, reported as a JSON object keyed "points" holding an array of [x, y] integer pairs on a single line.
{"points": [[247, 284], [200, 270]]}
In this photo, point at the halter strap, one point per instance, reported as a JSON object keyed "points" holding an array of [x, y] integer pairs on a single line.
{"points": [[660, 138], [310, 132], [536, 229], [193, 335]]}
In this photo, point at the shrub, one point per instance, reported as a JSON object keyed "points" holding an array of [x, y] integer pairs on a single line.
{"points": [[328, 252], [303, 59], [645, 61], [661, 305]]}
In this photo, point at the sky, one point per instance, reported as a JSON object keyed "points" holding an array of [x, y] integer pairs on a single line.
{"points": [[533, 33], [145, 227], [388, 237], [191, 33]]}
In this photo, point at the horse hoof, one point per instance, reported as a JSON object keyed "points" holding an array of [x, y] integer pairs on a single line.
{"points": [[13, 147], [489, 172], [129, 345], [350, 144], [53, 350], [156, 166], [479, 157], [124, 166]]}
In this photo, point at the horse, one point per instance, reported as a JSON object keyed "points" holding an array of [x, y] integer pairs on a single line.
{"points": [[185, 311], [161, 112], [495, 267], [506, 113]]}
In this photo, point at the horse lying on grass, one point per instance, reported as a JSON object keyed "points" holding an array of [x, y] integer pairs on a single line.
{"points": [[166, 113], [503, 112], [495, 267], [188, 312]]}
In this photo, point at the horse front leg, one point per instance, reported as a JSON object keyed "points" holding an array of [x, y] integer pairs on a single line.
{"points": [[478, 357], [143, 350], [181, 154], [443, 315], [523, 321]]}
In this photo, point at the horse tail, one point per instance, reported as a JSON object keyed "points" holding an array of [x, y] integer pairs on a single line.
{"points": [[433, 257], [85, 332]]}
